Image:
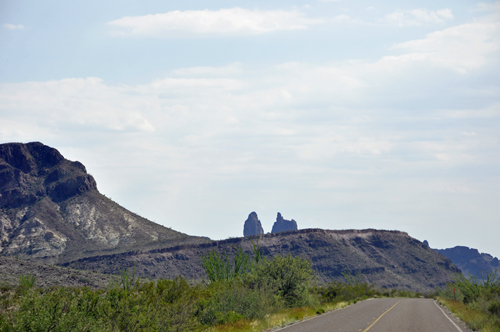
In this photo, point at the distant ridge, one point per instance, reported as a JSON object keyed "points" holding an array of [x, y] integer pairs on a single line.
{"points": [[470, 261], [386, 258]]}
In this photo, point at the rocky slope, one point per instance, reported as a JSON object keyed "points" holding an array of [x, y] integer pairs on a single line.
{"points": [[51, 210], [50, 275], [387, 258], [470, 261]]}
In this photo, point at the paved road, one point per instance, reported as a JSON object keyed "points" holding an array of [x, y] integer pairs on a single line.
{"points": [[384, 315]]}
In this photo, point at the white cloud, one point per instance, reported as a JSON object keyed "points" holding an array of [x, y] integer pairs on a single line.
{"points": [[463, 48], [229, 70], [419, 16], [233, 21], [13, 26], [77, 103]]}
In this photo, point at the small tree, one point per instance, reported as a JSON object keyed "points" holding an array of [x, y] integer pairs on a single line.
{"points": [[288, 277], [221, 267]]}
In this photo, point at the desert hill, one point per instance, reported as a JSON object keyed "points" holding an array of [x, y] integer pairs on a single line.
{"points": [[470, 261], [51, 210], [390, 259], [49, 275]]}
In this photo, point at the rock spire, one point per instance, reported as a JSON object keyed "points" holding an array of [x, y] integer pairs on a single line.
{"points": [[283, 225], [252, 225]]}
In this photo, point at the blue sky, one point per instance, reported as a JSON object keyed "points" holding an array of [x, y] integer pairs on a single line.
{"points": [[338, 114]]}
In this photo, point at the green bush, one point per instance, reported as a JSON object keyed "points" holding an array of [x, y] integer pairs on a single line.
{"points": [[481, 297], [166, 305], [55, 310], [27, 281], [494, 308], [288, 278], [472, 287], [338, 291], [227, 301], [222, 268]]}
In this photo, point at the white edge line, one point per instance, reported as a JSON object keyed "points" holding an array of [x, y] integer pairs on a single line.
{"points": [[447, 316]]}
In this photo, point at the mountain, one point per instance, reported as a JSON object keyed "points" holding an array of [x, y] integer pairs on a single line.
{"points": [[51, 210], [389, 259], [470, 261]]}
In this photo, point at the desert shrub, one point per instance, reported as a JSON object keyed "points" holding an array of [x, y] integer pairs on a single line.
{"points": [[230, 301], [58, 309], [166, 305], [288, 278], [479, 298], [494, 308], [221, 267], [404, 293], [27, 281], [338, 291], [448, 293], [472, 287]]}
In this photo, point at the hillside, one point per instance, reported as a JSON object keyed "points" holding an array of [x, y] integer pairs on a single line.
{"points": [[470, 261], [51, 210], [50, 275], [390, 259]]}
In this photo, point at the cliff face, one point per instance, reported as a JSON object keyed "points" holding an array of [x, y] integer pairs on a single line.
{"points": [[30, 172], [51, 210], [470, 261], [283, 225], [387, 258], [252, 225]]}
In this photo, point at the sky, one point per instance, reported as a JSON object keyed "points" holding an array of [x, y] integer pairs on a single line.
{"points": [[338, 114]]}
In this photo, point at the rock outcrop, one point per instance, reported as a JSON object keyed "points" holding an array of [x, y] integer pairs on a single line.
{"points": [[470, 261], [390, 259], [30, 172], [51, 210], [252, 225], [283, 225]]}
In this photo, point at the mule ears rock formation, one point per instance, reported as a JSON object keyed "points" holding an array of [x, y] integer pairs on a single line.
{"points": [[252, 225], [283, 225]]}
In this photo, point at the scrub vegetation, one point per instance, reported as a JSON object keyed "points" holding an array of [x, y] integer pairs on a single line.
{"points": [[242, 293], [475, 301]]}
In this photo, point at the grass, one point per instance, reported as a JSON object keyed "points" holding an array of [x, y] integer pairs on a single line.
{"points": [[475, 319], [27, 281]]}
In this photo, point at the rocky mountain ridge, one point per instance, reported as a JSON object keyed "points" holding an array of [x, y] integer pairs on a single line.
{"points": [[389, 259], [51, 210], [471, 261]]}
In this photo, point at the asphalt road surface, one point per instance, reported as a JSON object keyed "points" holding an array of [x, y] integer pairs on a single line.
{"points": [[384, 315]]}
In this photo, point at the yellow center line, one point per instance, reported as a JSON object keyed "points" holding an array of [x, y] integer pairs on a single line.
{"points": [[369, 327]]}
